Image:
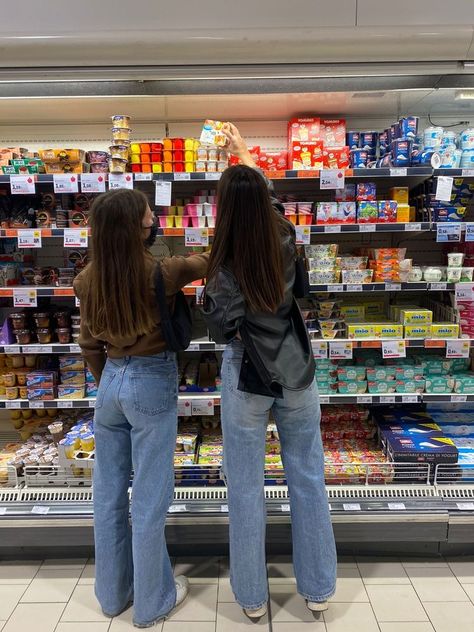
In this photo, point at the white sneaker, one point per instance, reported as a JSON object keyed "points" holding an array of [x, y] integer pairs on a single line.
{"points": [[317, 606], [182, 589], [256, 614]]}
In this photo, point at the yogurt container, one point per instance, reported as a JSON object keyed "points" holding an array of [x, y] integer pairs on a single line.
{"points": [[401, 152], [408, 127], [428, 157], [359, 158], [455, 259], [448, 138], [352, 140], [368, 141], [121, 120], [432, 137], [450, 157], [467, 159], [467, 139]]}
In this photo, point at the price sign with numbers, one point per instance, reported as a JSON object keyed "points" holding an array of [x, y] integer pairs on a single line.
{"points": [[182, 176], [464, 291], [332, 229], [340, 350], [196, 237], [92, 183], [457, 348], [394, 349], [162, 193], [202, 407], [448, 232], [25, 298], [467, 173], [367, 228], [36, 404], [75, 238], [212, 176], [331, 179], [410, 399], [22, 185], [120, 181], [412, 227], [29, 238], [470, 232], [65, 183], [177, 509], [184, 408], [143, 177], [303, 234], [398, 173], [320, 349], [351, 507]]}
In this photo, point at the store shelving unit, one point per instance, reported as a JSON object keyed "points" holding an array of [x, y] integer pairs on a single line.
{"points": [[414, 503]]}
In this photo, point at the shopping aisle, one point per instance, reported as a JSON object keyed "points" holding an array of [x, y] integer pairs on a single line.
{"points": [[373, 595]]}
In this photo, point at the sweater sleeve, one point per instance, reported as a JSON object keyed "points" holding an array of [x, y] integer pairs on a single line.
{"points": [[179, 271]]}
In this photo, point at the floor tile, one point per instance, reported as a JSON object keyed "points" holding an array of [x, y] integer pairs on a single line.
{"points": [[287, 605], [225, 593], [9, 598], [469, 589], [198, 570], [396, 603], [124, 623], [2, 623], [419, 562], [230, 618], [88, 574], [66, 563], [37, 617], [51, 586], [315, 626], [83, 606], [346, 561], [199, 605], [280, 569], [18, 572], [436, 584], [349, 586], [224, 569], [342, 617], [447, 617], [418, 626], [189, 626], [383, 573], [83, 627], [463, 568]]}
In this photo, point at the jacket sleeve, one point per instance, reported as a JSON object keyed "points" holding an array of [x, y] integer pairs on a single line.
{"points": [[92, 349], [224, 307], [179, 271]]}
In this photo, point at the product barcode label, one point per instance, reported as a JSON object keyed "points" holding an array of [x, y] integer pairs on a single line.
{"points": [[285, 508], [410, 399], [36, 404], [438, 286], [364, 399], [40, 509], [177, 509], [396, 506], [182, 176], [212, 176], [465, 506], [393, 287], [332, 229], [143, 177], [398, 173], [351, 507], [224, 508], [11, 348], [459, 398], [12, 404], [337, 287], [354, 287], [387, 399], [65, 404], [412, 227], [367, 228]]}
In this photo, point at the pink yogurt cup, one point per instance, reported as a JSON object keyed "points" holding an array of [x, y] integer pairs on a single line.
{"points": [[194, 210], [198, 222]]}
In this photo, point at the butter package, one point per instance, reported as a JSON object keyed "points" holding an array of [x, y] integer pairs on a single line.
{"points": [[416, 316], [353, 312], [417, 331], [211, 133], [71, 363], [389, 330], [360, 330], [445, 330]]}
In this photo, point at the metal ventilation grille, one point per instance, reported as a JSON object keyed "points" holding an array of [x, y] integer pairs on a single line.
{"points": [[276, 493], [55, 495], [9, 495], [456, 492], [373, 493], [189, 493]]}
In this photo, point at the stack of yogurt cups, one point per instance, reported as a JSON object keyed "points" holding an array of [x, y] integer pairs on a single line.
{"points": [[120, 146]]}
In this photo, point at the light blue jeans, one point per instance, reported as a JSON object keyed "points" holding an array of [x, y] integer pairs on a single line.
{"points": [[135, 427], [244, 425]]}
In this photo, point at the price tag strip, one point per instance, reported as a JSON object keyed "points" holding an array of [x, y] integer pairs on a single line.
{"points": [[303, 234], [331, 179], [25, 298], [177, 509], [367, 228], [92, 183], [202, 407], [65, 183], [40, 509], [196, 237], [469, 234], [340, 350], [396, 506], [394, 349], [320, 349], [351, 507], [22, 185], [120, 181], [29, 238], [143, 177], [448, 232], [76, 238], [457, 348]]}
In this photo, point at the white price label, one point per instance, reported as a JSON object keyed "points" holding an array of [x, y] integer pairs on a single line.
{"points": [[65, 404], [143, 177], [448, 232], [182, 176], [184, 408], [467, 173], [444, 188], [320, 349], [469, 232], [285, 508], [193, 347], [120, 181], [29, 238], [460, 399], [396, 506], [336, 287], [12, 404], [77, 301], [76, 238], [11, 348], [92, 403], [331, 179], [303, 234], [177, 509], [393, 287], [36, 404], [410, 399], [387, 399], [74, 348], [224, 508], [465, 506], [457, 348], [340, 350], [22, 185], [351, 507], [202, 407], [367, 228], [25, 298], [40, 509], [3, 511], [196, 237], [212, 175], [92, 183], [364, 399], [30, 348], [354, 287], [44, 349], [65, 183], [332, 229], [398, 173], [394, 349], [199, 293], [412, 227], [438, 286], [324, 399], [464, 291], [162, 193]]}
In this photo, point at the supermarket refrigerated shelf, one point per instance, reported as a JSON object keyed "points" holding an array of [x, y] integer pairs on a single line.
{"points": [[380, 287]]}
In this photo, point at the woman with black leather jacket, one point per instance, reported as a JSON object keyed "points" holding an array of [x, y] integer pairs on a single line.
{"points": [[267, 366]]}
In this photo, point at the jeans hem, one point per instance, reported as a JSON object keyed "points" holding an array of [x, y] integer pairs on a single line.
{"points": [[158, 618], [319, 598], [260, 604]]}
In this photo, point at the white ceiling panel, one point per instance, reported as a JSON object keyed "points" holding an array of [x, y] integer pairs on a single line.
{"points": [[410, 12]]}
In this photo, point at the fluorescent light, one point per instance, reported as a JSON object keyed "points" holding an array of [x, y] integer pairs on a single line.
{"points": [[464, 95]]}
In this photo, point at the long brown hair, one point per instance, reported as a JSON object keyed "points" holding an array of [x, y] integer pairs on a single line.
{"points": [[248, 238], [116, 299]]}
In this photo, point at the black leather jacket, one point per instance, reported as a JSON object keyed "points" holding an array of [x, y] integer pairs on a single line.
{"points": [[277, 346]]}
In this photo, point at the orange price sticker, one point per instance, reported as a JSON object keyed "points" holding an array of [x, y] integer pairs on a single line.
{"points": [[275, 175], [434, 344], [63, 291], [370, 344], [308, 174]]}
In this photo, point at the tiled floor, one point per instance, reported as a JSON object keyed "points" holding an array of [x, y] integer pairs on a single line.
{"points": [[373, 595]]}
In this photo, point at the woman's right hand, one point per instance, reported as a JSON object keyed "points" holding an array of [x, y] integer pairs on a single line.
{"points": [[236, 145]]}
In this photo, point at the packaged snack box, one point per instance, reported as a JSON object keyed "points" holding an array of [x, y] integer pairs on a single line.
{"points": [[303, 130], [304, 156], [347, 194], [211, 133], [273, 160], [367, 212], [333, 132], [416, 316], [400, 194], [327, 213], [405, 213], [445, 330], [366, 192], [418, 449], [417, 331], [336, 157], [347, 212], [387, 211]]}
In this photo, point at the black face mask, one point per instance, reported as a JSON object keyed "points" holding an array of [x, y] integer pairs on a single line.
{"points": [[150, 240]]}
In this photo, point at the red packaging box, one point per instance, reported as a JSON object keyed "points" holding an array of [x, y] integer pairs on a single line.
{"points": [[304, 156], [303, 130], [333, 132], [273, 160], [254, 152], [336, 157]]}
